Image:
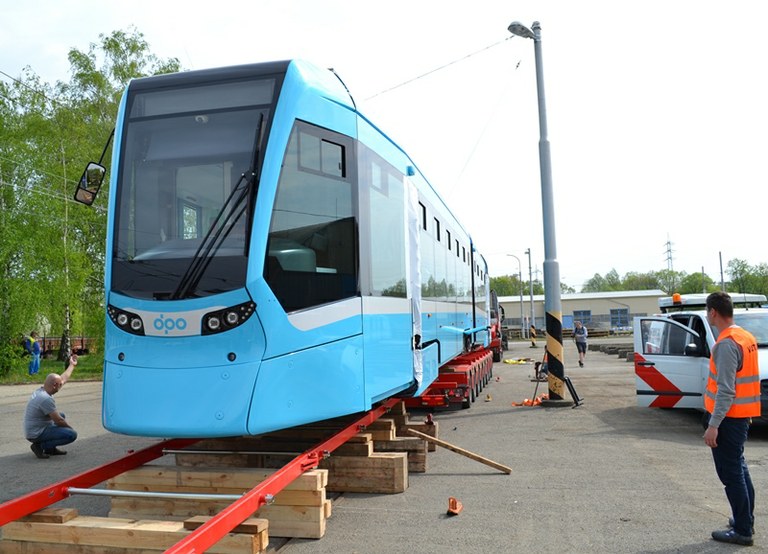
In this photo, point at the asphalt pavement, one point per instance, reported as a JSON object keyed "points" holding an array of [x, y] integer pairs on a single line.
{"points": [[606, 476]]}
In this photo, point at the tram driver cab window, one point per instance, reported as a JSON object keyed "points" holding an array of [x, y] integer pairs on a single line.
{"points": [[312, 247]]}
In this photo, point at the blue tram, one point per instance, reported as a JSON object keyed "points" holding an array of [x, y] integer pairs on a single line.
{"points": [[273, 258]]}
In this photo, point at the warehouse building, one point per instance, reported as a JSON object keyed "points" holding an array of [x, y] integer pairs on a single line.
{"points": [[601, 312]]}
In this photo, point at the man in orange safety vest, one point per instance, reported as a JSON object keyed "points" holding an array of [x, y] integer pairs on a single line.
{"points": [[732, 398]]}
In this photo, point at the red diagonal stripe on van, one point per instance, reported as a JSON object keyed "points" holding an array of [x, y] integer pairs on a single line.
{"points": [[658, 383]]}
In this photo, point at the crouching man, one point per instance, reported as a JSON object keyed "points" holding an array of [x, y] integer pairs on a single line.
{"points": [[44, 425]]}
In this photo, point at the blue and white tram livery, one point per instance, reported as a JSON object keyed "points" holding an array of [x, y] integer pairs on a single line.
{"points": [[273, 258]]}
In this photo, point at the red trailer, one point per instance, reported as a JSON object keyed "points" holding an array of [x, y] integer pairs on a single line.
{"points": [[458, 382]]}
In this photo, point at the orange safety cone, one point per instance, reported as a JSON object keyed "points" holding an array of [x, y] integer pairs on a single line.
{"points": [[454, 506]]}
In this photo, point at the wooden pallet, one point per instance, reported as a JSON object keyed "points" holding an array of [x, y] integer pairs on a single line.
{"points": [[64, 531], [300, 510]]}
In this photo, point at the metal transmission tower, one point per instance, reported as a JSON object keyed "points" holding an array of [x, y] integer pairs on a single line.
{"points": [[668, 254]]}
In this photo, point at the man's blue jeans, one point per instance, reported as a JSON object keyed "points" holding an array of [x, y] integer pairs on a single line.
{"points": [[34, 364], [54, 436], [733, 472]]}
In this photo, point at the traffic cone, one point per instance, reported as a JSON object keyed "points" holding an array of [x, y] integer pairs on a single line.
{"points": [[454, 506]]}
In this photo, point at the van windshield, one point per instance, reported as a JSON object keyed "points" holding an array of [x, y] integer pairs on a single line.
{"points": [[756, 322]]}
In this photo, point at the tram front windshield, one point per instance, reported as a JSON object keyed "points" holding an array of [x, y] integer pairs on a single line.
{"points": [[180, 185]]}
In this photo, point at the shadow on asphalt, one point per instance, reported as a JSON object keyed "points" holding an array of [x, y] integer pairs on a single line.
{"points": [[694, 548]]}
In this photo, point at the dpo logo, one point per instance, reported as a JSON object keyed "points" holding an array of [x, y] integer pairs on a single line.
{"points": [[169, 324]]}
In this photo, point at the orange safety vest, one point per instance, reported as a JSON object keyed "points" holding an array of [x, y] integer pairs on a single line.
{"points": [[747, 400]]}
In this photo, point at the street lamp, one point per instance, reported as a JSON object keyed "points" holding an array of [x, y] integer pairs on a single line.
{"points": [[552, 305], [520, 280], [530, 288]]}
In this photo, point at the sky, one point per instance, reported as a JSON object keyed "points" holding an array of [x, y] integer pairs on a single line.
{"points": [[656, 110]]}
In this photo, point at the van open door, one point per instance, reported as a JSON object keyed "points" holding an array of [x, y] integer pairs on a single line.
{"points": [[671, 366]]}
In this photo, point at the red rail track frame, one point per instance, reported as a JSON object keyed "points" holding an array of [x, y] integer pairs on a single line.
{"points": [[222, 523]]}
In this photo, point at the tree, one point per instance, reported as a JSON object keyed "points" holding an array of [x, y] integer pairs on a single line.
{"points": [[746, 278], [640, 281], [697, 282], [52, 250], [595, 284], [510, 285]]}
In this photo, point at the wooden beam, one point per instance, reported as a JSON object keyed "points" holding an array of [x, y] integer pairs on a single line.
{"points": [[382, 472], [467, 453], [118, 533]]}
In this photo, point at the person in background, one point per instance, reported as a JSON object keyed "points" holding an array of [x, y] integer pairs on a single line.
{"points": [[44, 425], [32, 346], [580, 338], [731, 400]]}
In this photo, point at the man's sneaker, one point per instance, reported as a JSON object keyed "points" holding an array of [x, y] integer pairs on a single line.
{"points": [[38, 450], [731, 536], [55, 452], [581, 364], [732, 524]]}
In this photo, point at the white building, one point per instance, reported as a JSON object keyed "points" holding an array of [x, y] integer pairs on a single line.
{"points": [[602, 311]]}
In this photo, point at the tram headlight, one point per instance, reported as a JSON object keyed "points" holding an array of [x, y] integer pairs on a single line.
{"points": [[213, 323], [127, 321], [232, 318], [228, 318]]}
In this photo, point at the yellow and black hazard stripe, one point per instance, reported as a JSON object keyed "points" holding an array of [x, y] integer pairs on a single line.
{"points": [[555, 380]]}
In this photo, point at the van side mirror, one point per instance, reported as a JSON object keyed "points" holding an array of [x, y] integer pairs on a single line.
{"points": [[693, 350], [90, 183]]}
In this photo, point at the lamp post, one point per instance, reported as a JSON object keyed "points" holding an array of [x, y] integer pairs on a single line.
{"points": [[520, 281], [552, 306], [530, 288]]}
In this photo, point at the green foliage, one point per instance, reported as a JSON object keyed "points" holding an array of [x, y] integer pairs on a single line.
{"points": [[88, 368], [52, 249], [743, 278], [510, 285]]}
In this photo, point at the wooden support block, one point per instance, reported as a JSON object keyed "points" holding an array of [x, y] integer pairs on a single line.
{"points": [[151, 477], [263, 451], [24, 547], [254, 526], [355, 449], [383, 472], [430, 429], [400, 422], [52, 515], [297, 511], [122, 535], [382, 429], [398, 409], [415, 449], [250, 525]]}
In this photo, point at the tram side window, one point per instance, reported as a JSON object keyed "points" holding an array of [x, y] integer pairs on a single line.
{"points": [[382, 192], [312, 255]]}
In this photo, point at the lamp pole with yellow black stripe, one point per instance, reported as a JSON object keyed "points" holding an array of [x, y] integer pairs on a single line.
{"points": [[552, 305]]}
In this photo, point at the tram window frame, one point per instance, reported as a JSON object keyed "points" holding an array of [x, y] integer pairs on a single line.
{"points": [[299, 267], [383, 223]]}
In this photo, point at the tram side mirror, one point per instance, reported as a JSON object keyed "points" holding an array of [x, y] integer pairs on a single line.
{"points": [[90, 183]]}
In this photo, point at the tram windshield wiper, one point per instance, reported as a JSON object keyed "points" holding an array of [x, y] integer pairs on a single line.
{"points": [[231, 211]]}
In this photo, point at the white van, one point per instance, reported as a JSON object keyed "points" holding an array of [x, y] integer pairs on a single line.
{"points": [[672, 350]]}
